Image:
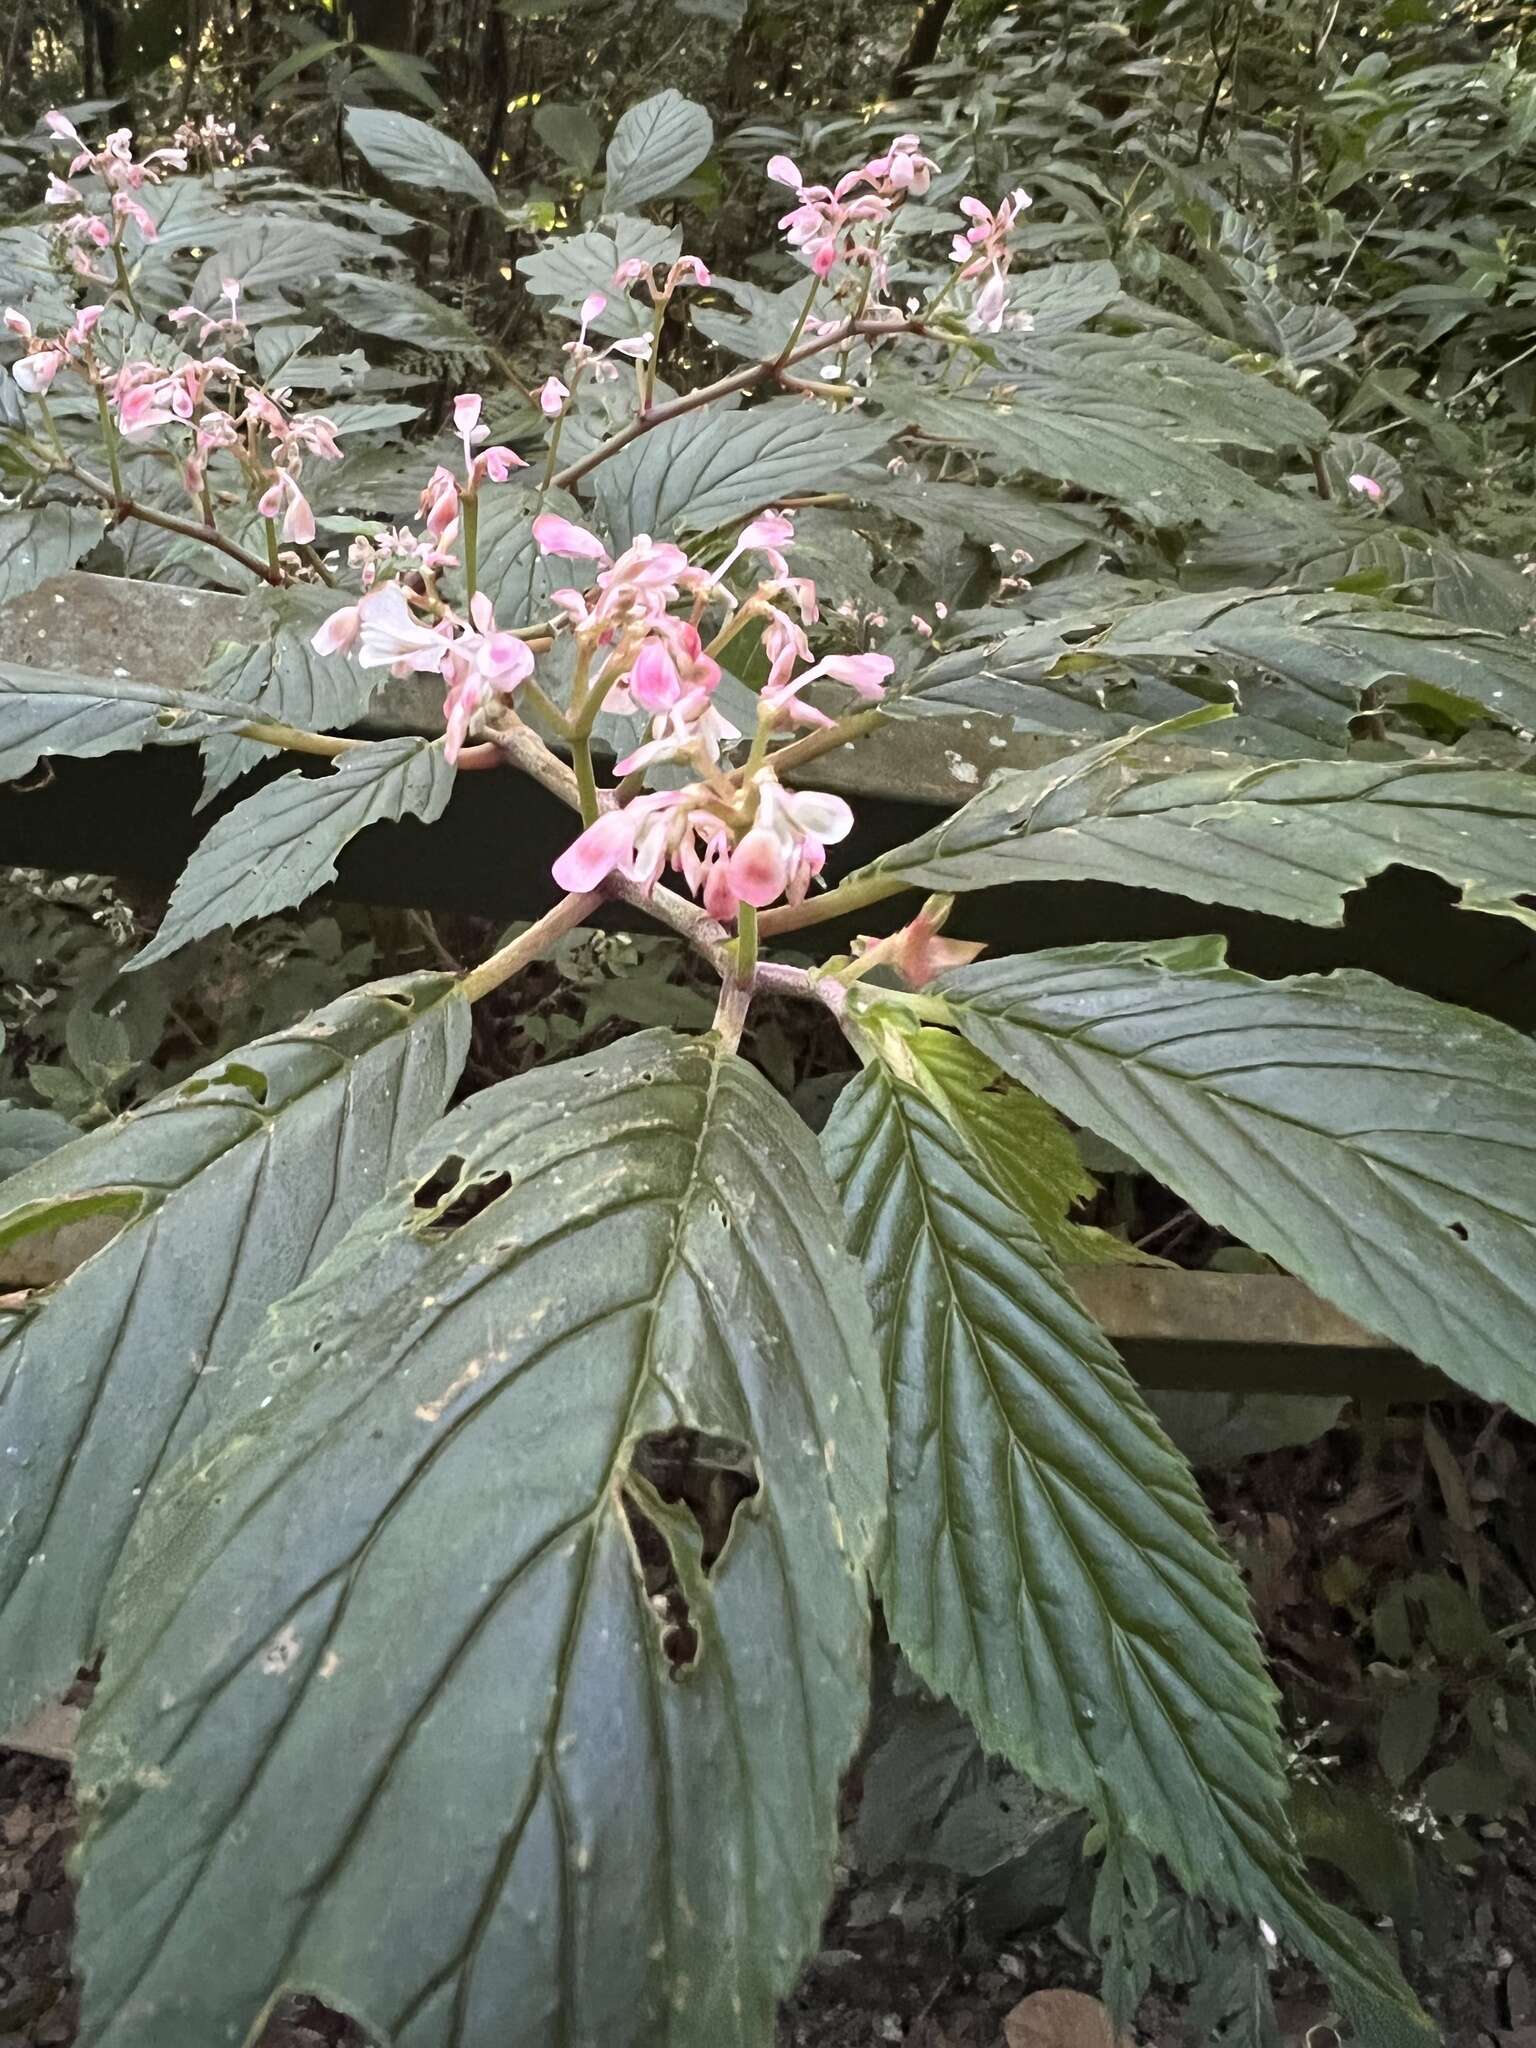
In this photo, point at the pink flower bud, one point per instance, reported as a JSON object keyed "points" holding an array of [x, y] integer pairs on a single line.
{"points": [[1368, 487], [593, 304], [784, 171]]}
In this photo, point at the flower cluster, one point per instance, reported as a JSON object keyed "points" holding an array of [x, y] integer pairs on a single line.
{"points": [[124, 176], [43, 359], [844, 223], [217, 142], [981, 251]]}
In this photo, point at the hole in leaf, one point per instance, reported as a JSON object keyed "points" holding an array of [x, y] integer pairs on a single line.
{"points": [[441, 1181], [709, 1475], [663, 1588], [1459, 1230], [44, 1244], [395, 996], [235, 1075], [469, 1197]]}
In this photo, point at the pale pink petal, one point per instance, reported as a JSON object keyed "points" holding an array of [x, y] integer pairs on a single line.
{"points": [[588, 861], [557, 536]]}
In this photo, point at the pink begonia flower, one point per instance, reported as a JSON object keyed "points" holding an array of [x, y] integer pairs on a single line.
{"points": [[391, 636], [35, 372], [630, 271], [339, 633], [785, 171], [126, 207], [553, 396], [864, 673], [283, 496], [766, 534], [786, 847], [557, 536], [904, 167], [440, 505], [688, 270], [921, 955], [466, 420], [61, 194], [633, 842], [1367, 486], [481, 663], [692, 730], [60, 125], [496, 463]]}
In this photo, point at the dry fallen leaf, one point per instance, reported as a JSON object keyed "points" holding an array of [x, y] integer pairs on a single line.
{"points": [[1061, 2019]]}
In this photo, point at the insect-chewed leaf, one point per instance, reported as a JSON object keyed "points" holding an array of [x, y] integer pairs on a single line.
{"points": [[1051, 1565], [46, 712], [500, 1678], [1291, 838], [280, 845], [136, 1262], [1380, 1145]]}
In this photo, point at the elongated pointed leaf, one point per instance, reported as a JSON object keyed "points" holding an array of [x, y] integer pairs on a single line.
{"points": [[412, 152], [412, 1606], [144, 1255], [282, 844], [684, 476], [1051, 1565], [654, 147], [401, 312], [1083, 433], [1291, 838], [279, 672], [40, 540], [1380, 1145], [43, 712]]}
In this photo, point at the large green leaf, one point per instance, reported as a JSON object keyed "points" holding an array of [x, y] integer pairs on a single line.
{"points": [[278, 671], [1303, 661], [654, 147], [281, 845], [412, 152], [37, 541], [44, 712], [1290, 838], [267, 254], [1081, 432], [400, 312], [688, 476], [431, 1599], [1051, 1565], [1200, 397], [137, 1262], [1380, 1145]]}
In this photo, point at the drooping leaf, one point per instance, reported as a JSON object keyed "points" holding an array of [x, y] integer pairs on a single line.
{"points": [[684, 476], [400, 312], [278, 672], [146, 1254], [282, 844], [654, 147], [1051, 1565], [570, 133], [1378, 1144], [415, 153], [38, 541], [479, 1640], [1288, 838], [406, 74], [43, 711]]}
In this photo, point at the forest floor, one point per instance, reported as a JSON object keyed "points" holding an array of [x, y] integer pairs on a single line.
{"points": [[873, 1984]]}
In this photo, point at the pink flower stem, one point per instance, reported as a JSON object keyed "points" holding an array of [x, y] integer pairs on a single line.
{"points": [[586, 779], [648, 385], [274, 565], [109, 436], [469, 508], [736, 993], [528, 946], [124, 284], [805, 313]]}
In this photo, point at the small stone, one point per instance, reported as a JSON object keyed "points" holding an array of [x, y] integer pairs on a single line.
{"points": [[17, 1825]]}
